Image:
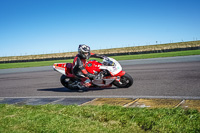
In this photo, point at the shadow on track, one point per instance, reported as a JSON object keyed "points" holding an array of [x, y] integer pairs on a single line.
{"points": [[63, 89]]}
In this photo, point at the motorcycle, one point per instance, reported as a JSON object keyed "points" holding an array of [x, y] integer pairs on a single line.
{"points": [[108, 73]]}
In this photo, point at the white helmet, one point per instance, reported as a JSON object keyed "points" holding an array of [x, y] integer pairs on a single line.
{"points": [[84, 51]]}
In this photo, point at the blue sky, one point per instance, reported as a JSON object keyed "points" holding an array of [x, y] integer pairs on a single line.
{"points": [[51, 26]]}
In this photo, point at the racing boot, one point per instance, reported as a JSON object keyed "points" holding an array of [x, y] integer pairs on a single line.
{"points": [[86, 83]]}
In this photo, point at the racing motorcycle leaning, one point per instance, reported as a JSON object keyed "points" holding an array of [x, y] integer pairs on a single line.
{"points": [[108, 72]]}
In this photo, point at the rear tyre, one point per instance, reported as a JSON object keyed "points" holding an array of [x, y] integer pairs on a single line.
{"points": [[125, 81], [66, 81]]}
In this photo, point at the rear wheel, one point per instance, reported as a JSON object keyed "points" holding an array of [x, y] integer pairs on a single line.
{"points": [[125, 81], [66, 81]]}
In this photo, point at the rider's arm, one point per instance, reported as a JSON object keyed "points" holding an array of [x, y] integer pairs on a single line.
{"points": [[97, 56], [79, 63]]}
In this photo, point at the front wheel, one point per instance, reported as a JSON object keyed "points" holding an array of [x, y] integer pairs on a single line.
{"points": [[125, 81]]}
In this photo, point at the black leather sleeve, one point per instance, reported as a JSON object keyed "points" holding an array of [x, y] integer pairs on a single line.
{"points": [[79, 64], [91, 76]]}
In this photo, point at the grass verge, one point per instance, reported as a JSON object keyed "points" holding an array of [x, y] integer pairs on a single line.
{"points": [[124, 57], [89, 119]]}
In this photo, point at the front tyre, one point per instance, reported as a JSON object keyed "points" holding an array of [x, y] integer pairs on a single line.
{"points": [[125, 81]]}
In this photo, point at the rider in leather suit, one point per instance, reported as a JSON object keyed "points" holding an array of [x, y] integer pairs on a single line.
{"points": [[79, 66]]}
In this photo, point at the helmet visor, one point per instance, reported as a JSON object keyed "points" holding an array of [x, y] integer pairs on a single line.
{"points": [[86, 55]]}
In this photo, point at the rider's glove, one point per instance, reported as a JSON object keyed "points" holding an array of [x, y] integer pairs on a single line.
{"points": [[91, 76]]}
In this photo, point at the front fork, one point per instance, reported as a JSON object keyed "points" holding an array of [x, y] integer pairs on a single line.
{"points": [[119, 75], [118, 79]]}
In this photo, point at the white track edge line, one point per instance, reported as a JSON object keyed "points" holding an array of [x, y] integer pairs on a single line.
{"points": [[111, 96]]}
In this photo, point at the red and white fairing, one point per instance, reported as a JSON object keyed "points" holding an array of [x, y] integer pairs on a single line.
{"points": [[112, 66], [64, 68], [93, 67], [60, 67]]}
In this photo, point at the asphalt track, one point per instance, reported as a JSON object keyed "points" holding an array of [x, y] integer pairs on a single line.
{"points": [[172, 77]]}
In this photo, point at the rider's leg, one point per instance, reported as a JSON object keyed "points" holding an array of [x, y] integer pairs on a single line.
{"points": [[86, 82]]}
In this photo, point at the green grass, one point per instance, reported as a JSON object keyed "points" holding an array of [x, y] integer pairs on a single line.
{"points": [[125, 57], [31, 64], [98, 119]]}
